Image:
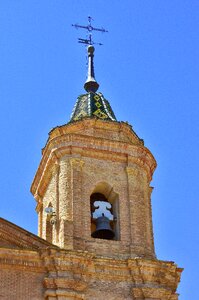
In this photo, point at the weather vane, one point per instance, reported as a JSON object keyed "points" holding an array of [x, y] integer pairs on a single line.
{"points": [[90, 29]]}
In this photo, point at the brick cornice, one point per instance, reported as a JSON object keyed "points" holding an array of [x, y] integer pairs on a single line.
{"points": [[151, 293], [21, 260], [65, 283], [93, 125], [69, 273], [141, 272], [115, 138], [161, 273], [89, 146]]}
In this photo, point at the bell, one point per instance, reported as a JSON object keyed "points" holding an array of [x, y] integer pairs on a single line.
{"points": [[103, 229]]}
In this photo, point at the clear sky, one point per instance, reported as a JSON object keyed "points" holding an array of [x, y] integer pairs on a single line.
{"points": [[148, 69]]}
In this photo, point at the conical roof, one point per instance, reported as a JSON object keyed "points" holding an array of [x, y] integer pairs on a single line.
{"points": [[92, 105]]}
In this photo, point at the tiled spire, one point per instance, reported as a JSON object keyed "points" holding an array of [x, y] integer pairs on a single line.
{"points": [[92, 104]]}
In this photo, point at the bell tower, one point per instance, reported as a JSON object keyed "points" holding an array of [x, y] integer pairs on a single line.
{"points": [[93, 197]]}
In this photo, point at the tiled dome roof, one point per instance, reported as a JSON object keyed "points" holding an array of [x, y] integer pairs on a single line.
{"points": [[92, 105]]}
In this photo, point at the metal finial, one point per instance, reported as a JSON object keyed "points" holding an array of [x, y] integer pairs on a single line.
{"points": [[90, 29], [91, 84]]}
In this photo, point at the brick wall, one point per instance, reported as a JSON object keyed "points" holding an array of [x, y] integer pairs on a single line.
{"points": [[21, 285]]}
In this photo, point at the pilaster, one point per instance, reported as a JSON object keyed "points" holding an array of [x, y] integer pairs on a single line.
{"points": [[65, 205], [140, 214], [77, 201]]}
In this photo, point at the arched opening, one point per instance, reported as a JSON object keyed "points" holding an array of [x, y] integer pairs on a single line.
{"points": [[104, 207]]}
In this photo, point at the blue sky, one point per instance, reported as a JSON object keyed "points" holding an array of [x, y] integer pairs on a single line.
{"points": [[148, 69]]}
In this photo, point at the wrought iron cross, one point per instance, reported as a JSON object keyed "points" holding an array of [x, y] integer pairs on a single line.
{"points": [[89, 29]]}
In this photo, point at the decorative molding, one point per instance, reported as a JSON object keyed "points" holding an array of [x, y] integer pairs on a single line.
{"points": [[55, 168], [20, 264], [63, 294], [76, 163], [39, 206], [155, 292], [68, 273], [132, 171], [43, 179], [38, 197], [65, 283], [64, 141]]}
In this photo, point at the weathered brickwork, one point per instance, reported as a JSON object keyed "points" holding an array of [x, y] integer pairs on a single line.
{"points": [[52, 273], [18, 285], [93, 156], [97, 161], [81, 159], [22, 270]]}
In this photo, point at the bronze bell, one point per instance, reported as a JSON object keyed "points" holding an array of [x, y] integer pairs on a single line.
{"points": [[103, 229]]}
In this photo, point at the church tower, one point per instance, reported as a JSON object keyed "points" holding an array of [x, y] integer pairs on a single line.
{"points": [[93, 197]]}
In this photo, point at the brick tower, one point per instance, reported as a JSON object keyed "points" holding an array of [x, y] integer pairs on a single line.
{"points": [[93, 197]]}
